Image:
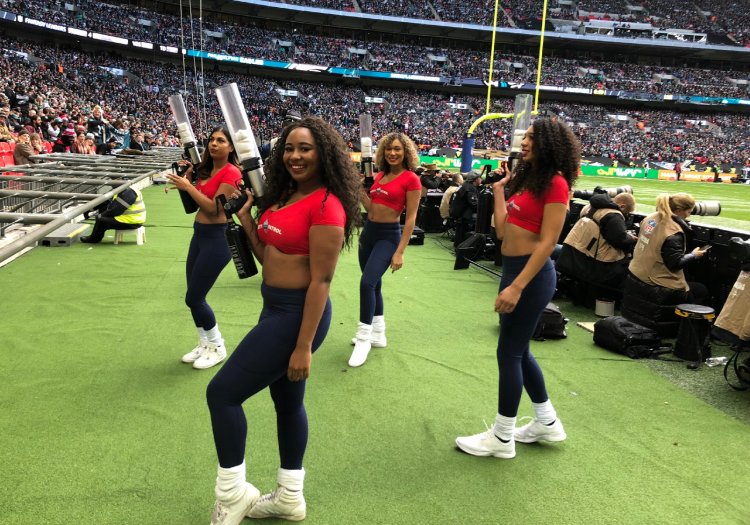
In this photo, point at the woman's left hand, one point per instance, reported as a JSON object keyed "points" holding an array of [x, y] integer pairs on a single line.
{"points": [[299, 365], [397, 262], [507, 300], [181, 183]]}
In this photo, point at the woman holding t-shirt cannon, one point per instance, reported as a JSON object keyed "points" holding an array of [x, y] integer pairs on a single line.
{"points": [[209, 253], [529, 224]]}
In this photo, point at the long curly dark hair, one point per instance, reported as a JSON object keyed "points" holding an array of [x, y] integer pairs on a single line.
{"points": [[411, 156], [555, 149], [338, 172], [204, 168]]}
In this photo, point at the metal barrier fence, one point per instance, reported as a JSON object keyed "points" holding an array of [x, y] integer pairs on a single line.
{"points": [[64, 186]]}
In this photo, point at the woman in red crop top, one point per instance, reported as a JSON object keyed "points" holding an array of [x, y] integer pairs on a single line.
{"points": [[307, 216], [382, 244], [209, 253], [529, 224]]}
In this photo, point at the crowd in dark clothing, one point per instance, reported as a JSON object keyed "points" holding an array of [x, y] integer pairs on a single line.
{"points": [[46, 99]]}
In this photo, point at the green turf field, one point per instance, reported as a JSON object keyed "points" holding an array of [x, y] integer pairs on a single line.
{"points": [[734, 198]]}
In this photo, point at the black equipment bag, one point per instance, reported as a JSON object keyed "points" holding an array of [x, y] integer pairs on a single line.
{"points": [[417, 236], [626, 337], [551, 324]]}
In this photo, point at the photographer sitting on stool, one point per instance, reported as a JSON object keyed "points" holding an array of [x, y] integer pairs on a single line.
{"points": [[126, 211], [598, 246], [656, 275], [463, 208]]}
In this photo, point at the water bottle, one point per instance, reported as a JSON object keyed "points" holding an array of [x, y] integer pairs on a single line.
{"points": [[716, 361]]}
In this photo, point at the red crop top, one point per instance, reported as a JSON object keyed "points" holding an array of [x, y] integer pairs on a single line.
{"points": [[393, 193], [288, 228], [229, 174], [527, 211]]}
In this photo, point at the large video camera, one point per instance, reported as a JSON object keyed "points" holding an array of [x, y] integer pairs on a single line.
{"points": [[587, 194]]}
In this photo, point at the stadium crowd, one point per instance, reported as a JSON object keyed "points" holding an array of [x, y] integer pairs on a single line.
{"points": [[59, 88], [614, 73]]}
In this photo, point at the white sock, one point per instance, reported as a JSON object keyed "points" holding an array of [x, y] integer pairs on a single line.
{"points": [[504, 426], [378, 323], [214, 336], [291, 479], [230, 482], [544, 412], [202, 337]]}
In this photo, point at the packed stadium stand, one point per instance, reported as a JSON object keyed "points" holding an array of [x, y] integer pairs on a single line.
{"points": [[646, 115]]}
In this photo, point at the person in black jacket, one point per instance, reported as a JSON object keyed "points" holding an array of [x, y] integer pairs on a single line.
{"points": [[597, 249], [464, 205]]}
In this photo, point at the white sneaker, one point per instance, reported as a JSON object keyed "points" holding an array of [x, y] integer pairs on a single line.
{"points": [[233, 513], [193, 355], [281, 503], [486, 444], [213, 355], [360, 353], [536, 431]]}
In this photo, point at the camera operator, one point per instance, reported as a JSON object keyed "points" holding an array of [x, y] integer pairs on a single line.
{"points": [[659, 256], [464, 205], [597, 248], [428, 177]]}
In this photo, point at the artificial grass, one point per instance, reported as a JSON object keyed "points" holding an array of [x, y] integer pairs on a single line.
{"points": [[103, 425]]}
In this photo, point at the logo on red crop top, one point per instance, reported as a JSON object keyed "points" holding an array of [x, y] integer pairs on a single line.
{"points": [[380, 190], [271, 227]]}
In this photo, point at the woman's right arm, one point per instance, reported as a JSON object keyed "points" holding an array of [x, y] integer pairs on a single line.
{"points": [[251, 228], [500, 207]]}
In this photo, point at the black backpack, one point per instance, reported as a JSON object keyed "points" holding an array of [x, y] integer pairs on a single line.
{"points": [[626, 337], [551, 325]]}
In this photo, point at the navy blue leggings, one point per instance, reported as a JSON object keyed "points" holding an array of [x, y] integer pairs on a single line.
{"points": [[377, 244], [518, 368], [261, 360], [207, 256]]}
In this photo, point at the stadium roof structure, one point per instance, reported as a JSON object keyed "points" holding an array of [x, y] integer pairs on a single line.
{"points": [[473, 32]]}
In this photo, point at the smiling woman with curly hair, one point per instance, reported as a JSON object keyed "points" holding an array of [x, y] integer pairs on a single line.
{"points": [[307, 216], [382, 243], [529, 224]]}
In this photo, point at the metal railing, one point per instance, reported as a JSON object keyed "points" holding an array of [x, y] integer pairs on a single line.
{"points": [[64, 186]]}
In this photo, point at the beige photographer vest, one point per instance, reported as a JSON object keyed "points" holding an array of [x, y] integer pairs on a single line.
{"points": [[647, 263], [586, 237]]}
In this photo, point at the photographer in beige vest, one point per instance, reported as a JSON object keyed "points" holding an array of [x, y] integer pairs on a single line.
{"points": [[598, 246], [659, 256], [735, 314]]}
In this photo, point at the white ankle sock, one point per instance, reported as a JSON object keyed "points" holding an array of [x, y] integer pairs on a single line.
{"points": [[230, 482], [378, 323], [504, 426], [214, 335], [202, 337], [544, 412], [291, 479]]}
